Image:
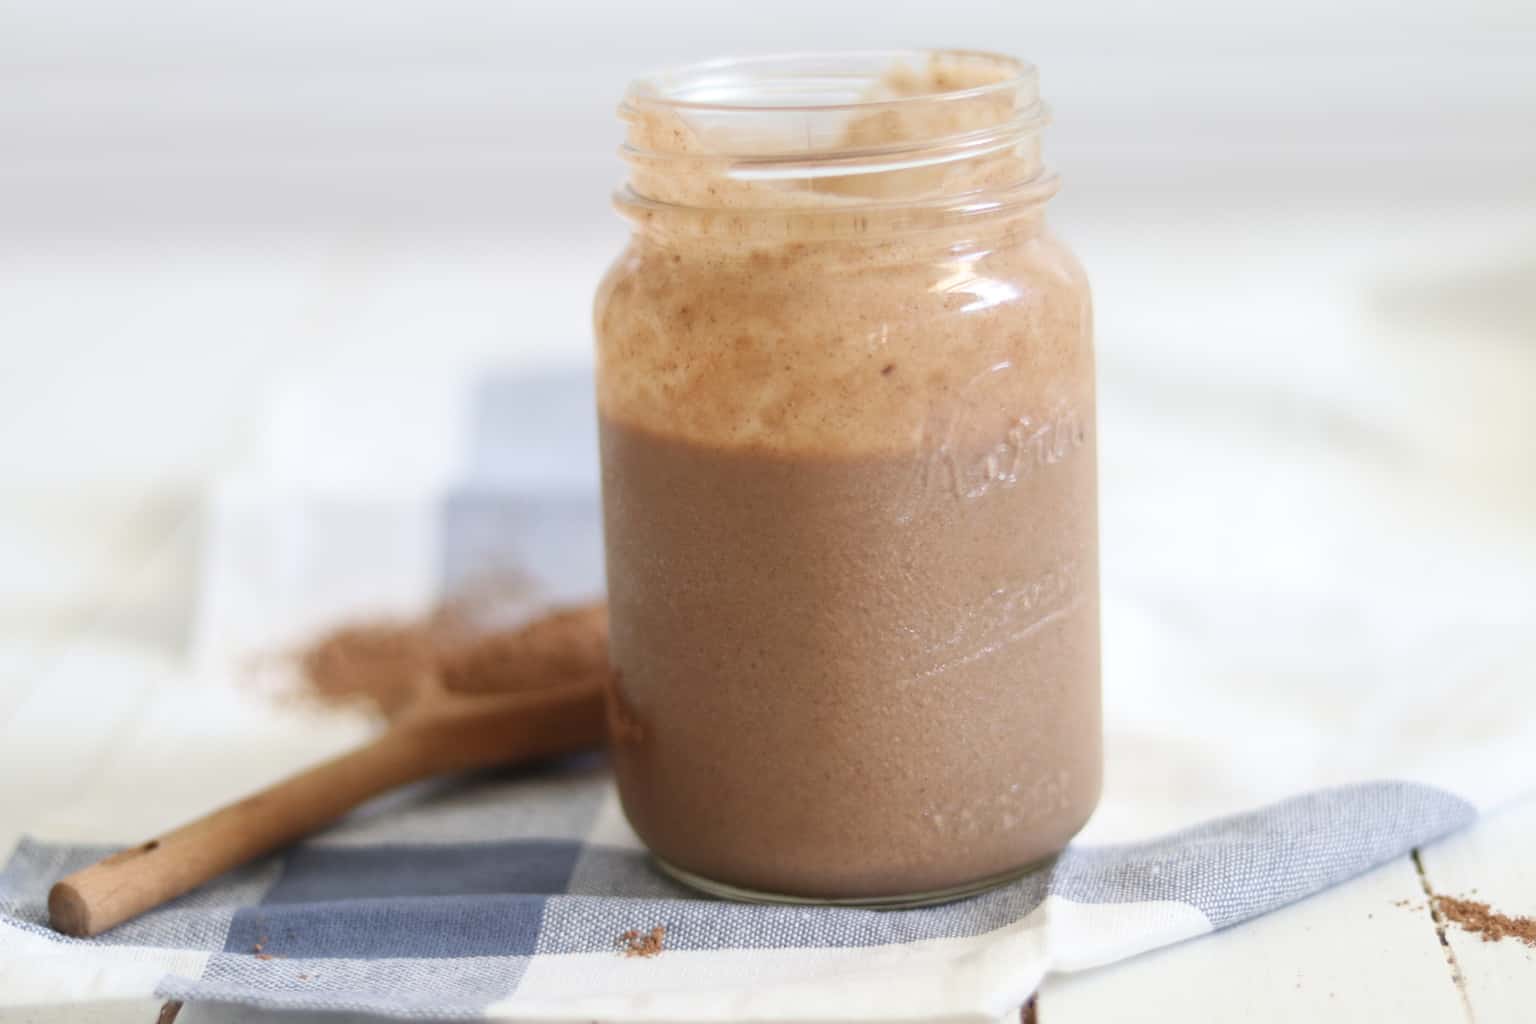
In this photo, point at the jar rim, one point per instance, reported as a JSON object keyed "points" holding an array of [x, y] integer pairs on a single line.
{"points": [[681, 88], [824, 134]]}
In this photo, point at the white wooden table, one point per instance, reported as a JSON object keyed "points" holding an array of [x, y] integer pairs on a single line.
{"points": [[134, 374]]}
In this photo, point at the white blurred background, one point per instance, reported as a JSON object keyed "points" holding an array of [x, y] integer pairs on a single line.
{"points": [[1311, 226], [494, 116]]}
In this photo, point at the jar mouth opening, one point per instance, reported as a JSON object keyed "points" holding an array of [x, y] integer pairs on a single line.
{"points": [[819, 82], [814, 131]]}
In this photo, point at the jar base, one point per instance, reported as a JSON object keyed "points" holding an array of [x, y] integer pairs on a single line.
{"points": [[905, 901]]}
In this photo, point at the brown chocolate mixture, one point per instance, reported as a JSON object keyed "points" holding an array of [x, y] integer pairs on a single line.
{"points": [[834, 687], [381, 665], [1481, 919]]}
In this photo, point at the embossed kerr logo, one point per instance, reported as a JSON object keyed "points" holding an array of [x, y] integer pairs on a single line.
{"points": [[1026, 446], [964, 467]]}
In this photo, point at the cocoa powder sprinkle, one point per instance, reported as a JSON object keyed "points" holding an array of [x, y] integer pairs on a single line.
{"points": [[645, 944], [1481, 919], [377, 664], [561, 646], [382, 665]]}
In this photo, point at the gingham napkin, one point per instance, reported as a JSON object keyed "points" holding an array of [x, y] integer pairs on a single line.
{"points": [[1230, 792]]}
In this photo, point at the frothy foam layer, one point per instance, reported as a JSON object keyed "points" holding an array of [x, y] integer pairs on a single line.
{"points": [[826, 349], [788, 314]]}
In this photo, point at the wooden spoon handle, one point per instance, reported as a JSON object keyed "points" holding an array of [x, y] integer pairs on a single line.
{"points": [[128, 883], [447, 735]]}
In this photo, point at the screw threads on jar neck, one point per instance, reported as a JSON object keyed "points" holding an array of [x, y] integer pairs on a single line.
{"points": [[849, 141]]}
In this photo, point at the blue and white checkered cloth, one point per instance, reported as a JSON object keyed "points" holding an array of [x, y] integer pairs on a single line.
{"points": [[504, 896]]}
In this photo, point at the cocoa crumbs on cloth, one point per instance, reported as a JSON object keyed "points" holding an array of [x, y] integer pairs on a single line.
{"points": [[645, 944]]}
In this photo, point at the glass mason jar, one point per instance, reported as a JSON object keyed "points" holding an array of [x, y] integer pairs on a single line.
{"points": [[846, 398]]}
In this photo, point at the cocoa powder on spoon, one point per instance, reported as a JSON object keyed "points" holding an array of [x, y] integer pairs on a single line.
{"points": [[379, 664]]}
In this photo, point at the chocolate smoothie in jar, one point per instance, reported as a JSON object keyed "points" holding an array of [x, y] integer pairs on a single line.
{"points": [[845, 388]]}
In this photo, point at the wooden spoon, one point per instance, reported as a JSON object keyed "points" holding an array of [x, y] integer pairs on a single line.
{"points": [[441, 730]]}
